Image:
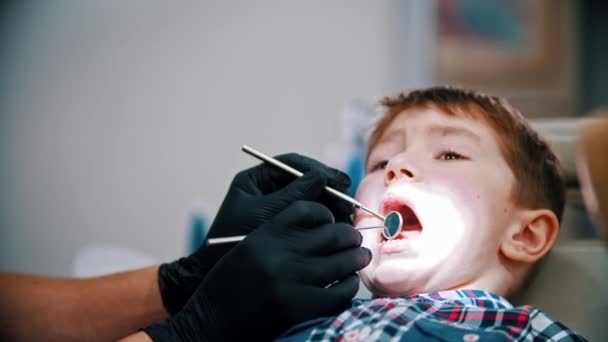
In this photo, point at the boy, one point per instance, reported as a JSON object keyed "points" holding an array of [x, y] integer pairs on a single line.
{"points": [[481, 195]]}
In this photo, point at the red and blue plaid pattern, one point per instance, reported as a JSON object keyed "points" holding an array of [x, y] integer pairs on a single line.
{"points": [[461, 315]]}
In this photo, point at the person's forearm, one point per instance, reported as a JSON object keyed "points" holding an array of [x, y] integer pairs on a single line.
{"points": [[102, 308]]}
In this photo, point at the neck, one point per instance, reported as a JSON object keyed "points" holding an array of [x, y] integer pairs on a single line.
{"points": [[498, 280]]}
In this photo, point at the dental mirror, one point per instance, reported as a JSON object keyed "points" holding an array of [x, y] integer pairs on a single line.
{"points": [[392, 225]]}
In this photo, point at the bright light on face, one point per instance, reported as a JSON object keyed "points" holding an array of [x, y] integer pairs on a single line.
{"points": [[396, 263], [447, 178]]}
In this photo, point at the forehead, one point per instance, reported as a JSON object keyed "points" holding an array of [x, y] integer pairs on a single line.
{"points": [[434, 122]]}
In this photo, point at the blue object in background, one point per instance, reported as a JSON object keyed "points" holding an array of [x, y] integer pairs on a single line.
{"points": [[199, 228], [355, 169], [350, 149]]}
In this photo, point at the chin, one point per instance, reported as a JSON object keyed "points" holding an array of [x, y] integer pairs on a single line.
{"points": [[392, 280], [390, 290]]}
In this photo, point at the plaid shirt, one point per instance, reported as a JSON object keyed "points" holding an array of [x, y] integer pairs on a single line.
{"points": [[462, 315]]}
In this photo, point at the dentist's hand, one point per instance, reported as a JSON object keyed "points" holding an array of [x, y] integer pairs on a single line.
{"points": [[273, 279], [254, 197]]}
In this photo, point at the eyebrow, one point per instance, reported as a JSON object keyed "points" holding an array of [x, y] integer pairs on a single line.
{"points": [[443, 131]]}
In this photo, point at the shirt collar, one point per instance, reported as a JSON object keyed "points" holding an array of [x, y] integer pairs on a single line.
{"points": [[466, 297]]}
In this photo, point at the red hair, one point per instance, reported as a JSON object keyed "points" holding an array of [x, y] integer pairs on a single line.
{"points": [[539, 177]]}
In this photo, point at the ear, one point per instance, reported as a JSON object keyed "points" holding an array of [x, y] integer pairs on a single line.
{"points": [[530, 236]]}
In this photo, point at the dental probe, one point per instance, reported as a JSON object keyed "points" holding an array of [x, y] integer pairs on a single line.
{"points": [[297, 173], [230, 239], [392, 222]]}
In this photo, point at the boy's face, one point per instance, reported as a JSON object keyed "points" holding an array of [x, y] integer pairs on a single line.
{"points": [[448, 179]]}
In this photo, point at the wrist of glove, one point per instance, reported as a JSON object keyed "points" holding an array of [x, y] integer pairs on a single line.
{"points": [[277, 277], [177, 282], [188, 325], [254, 197]]}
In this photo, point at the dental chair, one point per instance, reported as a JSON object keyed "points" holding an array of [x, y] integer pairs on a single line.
{"points": [[572, 285]]}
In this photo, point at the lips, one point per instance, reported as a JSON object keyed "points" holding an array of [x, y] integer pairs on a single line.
{"points": [[411, 223]]}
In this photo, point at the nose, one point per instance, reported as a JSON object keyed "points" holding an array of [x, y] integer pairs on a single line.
{"points": [[398, 168]]}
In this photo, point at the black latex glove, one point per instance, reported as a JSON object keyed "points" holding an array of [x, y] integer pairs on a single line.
{"points": [[254, 197], [275, 278]]}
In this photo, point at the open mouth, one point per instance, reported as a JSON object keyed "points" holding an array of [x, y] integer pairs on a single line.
{"points": [[411, 224]]}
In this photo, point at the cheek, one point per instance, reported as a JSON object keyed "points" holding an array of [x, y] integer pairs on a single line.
{"points": [[473, 185], [370, 190], [464, 189], [482, 198], [470, 201], [370, 194], [492, 202]]}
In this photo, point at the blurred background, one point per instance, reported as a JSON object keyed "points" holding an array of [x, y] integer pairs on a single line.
{"points": [[121, 122]]}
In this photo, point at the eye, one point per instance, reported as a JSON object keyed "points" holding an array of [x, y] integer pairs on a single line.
{"points": [[378, 166], [450, 155]]}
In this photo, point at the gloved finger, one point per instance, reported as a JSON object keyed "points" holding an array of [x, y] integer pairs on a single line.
{"points": [[308, 187], [329, 239], [264, 178], [255, 208], [322, 271], [265, 207], [304, 188], [341, 209], [304, 214], [329, 301], [335, 178]]}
